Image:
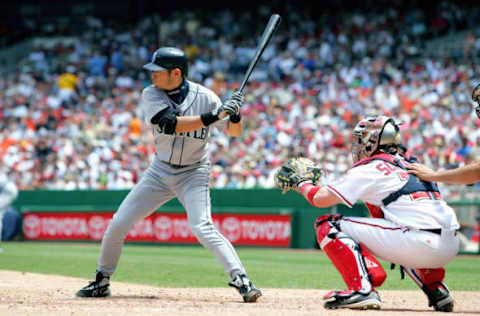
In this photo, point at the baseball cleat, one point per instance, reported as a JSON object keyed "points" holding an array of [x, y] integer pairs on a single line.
{"points": [[246, 288], [97, 288], [441, 300], [352, 300]]}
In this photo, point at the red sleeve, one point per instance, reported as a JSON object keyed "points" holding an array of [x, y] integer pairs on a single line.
{"points": [[375, 211]]}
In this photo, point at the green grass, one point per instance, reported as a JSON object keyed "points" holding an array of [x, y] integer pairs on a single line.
{"points": [[194, 266]]}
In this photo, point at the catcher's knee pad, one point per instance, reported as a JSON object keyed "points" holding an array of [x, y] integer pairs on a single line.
{"points": [[323, 228], [375, 270], [345, 255]]}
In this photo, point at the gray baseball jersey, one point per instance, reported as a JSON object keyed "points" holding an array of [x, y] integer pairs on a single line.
{"points": [[181, 169], [184, 148]]}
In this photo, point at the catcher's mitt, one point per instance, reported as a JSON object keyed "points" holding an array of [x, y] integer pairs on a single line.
{"points": [[295, 171]]}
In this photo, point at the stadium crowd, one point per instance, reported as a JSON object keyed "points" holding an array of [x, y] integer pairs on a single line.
{"points": [[69, 116]]}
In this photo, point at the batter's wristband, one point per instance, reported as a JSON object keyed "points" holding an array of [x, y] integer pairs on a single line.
{"points": [[209, 118], [235, 118], [311, 194]]}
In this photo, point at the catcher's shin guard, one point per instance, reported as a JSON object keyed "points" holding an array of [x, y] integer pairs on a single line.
{"points": [[376, 273], [431, 283], [345, 255]]}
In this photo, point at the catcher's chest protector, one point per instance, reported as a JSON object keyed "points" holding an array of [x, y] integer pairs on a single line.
{"points": [[413, 184]]}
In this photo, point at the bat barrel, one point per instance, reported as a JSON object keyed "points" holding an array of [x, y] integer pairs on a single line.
{"points": [[267, 35]]}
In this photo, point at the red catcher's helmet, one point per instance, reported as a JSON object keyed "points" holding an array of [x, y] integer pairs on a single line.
{"points": [[372, 134]]}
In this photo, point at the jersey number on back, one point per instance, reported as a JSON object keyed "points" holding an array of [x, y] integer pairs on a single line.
{"points": [[387, 169]]}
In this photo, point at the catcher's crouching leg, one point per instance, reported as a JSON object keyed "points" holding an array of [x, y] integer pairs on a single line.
{"points": [[348, 258], [376, 273], [431, 283]]}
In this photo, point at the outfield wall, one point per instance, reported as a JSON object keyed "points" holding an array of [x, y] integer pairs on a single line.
{"points": [[262, 213]]}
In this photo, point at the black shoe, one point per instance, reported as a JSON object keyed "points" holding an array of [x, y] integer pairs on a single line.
{"points": [[441, 300], [97, 288], [246, 288], [352, 300]]}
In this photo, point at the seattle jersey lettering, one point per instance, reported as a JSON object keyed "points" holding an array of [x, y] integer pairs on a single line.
{"points": [[198, 134]]}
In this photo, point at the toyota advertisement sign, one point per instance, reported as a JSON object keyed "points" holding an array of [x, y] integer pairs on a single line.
{"points": [[240, 229]]}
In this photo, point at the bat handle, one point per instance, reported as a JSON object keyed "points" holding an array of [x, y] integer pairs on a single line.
{"points": [[247, 76], [243, 84]]}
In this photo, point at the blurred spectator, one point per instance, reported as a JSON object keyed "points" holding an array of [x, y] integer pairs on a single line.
{"points": [[67, 86], [9, 217], [117, 60], [469, 47], [97, 64], [217, 83], [314, 80]]}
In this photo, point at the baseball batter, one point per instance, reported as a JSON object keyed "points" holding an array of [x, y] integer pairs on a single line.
{"points": [[181, 114], [412, 225]]}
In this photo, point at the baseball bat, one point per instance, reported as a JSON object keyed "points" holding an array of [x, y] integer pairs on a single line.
{"points": [[266, 37]]}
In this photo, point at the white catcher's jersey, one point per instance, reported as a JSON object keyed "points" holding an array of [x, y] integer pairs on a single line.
{"points": [[374, 181], [183, 148]]}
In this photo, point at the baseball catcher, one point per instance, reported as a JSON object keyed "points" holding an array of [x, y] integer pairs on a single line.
{"points": [[410, 226], [296, 171]]}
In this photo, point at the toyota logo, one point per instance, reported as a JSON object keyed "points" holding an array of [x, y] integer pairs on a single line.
{"points": [[31, 226], [97, 226], [163, 228], [231, 228]]}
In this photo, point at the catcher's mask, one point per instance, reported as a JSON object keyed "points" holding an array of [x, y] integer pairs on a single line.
{"points": [[476, 99], [372, 134]]}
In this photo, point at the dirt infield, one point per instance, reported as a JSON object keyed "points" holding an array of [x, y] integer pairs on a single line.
{"points": [[38, 295]]}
